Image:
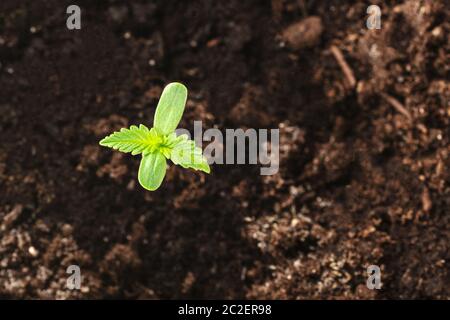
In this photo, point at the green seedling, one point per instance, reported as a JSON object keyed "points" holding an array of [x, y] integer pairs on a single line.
{"points": [[160, 143]]}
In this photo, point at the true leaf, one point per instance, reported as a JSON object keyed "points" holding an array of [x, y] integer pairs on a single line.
{"points": [[186, 154], [135, 140]]}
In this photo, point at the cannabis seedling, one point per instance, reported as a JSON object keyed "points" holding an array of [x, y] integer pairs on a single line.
{"points": [[160, 142]]}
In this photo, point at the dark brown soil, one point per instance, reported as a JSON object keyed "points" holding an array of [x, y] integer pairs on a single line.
{"points": [[364, 174]]}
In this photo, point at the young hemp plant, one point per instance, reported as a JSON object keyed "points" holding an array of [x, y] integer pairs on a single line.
{"points": [[160, 143]]}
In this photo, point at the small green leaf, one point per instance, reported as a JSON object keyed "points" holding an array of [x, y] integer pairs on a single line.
{"points": [[135, 140], [152, 170], [170, 108], [186, 154]]}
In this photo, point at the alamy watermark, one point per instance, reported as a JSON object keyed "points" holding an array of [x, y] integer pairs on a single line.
{"points": [[374, 19], [73, 282], [238, 146], [73, 22], [374, 279]]}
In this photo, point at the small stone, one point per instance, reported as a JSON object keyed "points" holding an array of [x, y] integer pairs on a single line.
{"points": [[303, 34], [437, 32], [32, 251], [67, 229]]}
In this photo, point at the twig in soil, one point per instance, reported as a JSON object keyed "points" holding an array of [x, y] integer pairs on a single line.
{"points": [[348, 72], [397, 105]]}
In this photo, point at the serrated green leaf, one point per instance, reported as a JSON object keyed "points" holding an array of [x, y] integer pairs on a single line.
{"points": [[170, 108], [172, 140], [186, 154], [152, 170], [135, 140]]}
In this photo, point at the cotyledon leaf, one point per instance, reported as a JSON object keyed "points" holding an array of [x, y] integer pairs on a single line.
{"points": [[152, 170], [170, 108]]}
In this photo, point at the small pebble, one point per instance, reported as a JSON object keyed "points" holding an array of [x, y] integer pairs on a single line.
{"points": [[303, 34], [32, 251], [67, 229]]}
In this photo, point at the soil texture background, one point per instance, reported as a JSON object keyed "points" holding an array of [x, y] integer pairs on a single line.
{"points": [[363, 180]]}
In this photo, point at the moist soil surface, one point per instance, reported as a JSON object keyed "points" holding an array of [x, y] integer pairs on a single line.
{"points": [[363, 163]]}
